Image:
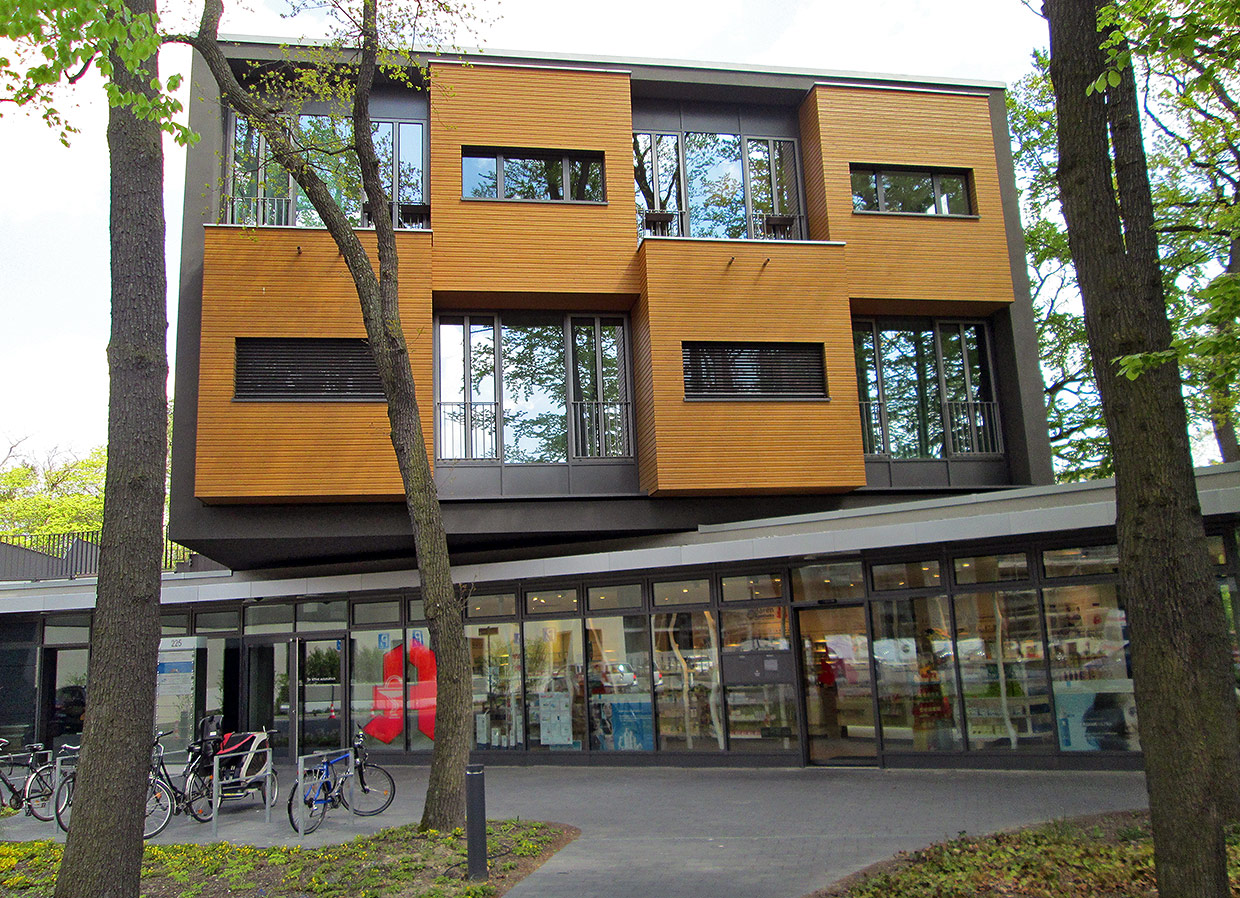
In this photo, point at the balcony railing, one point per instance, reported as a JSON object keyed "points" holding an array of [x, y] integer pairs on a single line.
{"points": [[971, 428], [467, 430], [269, 211], [64, 556], [601, 430], [762, 226]]}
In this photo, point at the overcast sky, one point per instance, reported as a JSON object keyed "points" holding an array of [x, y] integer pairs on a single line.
{"points": [[54, 207]]}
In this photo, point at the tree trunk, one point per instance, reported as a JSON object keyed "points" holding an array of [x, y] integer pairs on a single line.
{"points": [[103, 855], [1181, 656], [444, 808], [379, 297]]}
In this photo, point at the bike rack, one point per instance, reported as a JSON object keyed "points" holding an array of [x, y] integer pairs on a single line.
{"points": [[217, 786], [60, 772], [317, 758]]}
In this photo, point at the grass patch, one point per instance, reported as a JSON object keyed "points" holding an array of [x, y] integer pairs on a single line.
{"points": [[1111, 856], [394, 863]]}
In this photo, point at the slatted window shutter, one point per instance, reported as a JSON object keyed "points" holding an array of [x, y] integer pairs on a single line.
{"points": [[745, 370], [305, 368]]}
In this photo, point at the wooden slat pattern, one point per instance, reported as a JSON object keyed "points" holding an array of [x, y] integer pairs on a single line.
{"points": [[528, 246], [813, 169], [293, 283], [719, 290], [914, 257]]}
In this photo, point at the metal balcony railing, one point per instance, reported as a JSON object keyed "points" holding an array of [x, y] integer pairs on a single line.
{"points": [[64, 556], [466, 430], [601, 430], [762, 225], [765, 226], [268, 211], [972, 428]]}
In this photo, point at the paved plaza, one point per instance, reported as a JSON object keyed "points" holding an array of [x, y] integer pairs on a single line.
{"points": [[671, 832]]}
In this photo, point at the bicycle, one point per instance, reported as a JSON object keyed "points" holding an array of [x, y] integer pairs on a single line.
{"points": [[35, 792], [162, 798], [327, 786]]}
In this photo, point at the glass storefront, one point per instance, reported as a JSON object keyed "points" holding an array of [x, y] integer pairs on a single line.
{"points": [[830, 660]]}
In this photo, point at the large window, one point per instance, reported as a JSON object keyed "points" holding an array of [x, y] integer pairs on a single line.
{"points": [[925, 389], [262, 193], [911, 191], [532, 388], [718, 370], [716, 185], [546, 175]]}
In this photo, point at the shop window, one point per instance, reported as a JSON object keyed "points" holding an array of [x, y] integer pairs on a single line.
{"points": [[313, 616], [501, 605], [926, 389], [716, 185], [1091, 669], [376, 687], [762, 718], [564, 388], [752, 586], [417, 610], [911, 191], [906, 575], [217, 621], [1079, 562], [991, 568], [547, 601], [540, 175], [1003, 671], [305, 368], [1215, 546], [174, 624], [682, 592], [719, 370], [609, 598], [755, 630], [618, 681], [420, 689], [66, 629], [370, 613], [916, 675], [555, 684], [268, 618], [687, 685], [828, 582], [495, 664]]}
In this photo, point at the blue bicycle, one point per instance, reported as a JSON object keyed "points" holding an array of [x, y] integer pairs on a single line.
{"points": [[327, 786]]}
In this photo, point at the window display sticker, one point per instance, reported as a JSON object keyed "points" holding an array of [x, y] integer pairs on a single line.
{"points": [[555, 719]]}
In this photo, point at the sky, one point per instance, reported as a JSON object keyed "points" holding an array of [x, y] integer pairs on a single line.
{"points": [[54, 286]]}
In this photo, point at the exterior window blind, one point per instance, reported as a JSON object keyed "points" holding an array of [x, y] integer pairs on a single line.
{"points": [[305, 368], [743, 370]]}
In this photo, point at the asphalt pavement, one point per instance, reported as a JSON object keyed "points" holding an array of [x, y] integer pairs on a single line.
{"points": [[674, 832]]}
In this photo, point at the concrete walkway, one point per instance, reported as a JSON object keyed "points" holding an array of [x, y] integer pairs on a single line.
{"points": [[662, 832]]}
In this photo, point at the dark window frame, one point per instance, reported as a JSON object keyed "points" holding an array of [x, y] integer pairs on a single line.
{"points": [[765, 370], [566, 159], [935, 174]]}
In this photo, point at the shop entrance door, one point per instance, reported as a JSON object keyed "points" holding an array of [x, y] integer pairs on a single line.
{"points": [[839, 696], [295, 687]]}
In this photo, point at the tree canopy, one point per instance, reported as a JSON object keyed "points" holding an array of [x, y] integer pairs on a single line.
{"points": [[59, 494]]}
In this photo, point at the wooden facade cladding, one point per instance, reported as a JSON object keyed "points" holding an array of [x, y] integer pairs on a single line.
{"points": [[744, 291], [284, 282], [496, 246], [907, 257]]}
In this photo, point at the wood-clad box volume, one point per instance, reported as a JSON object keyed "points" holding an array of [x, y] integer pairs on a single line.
{"points": [[938, 258], [287, 282], [746, 292], [492, 245]]}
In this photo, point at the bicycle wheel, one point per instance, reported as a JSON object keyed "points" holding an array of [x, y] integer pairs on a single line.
{"points": [[373, 791], [311, 795], [64, 802], [198, 797], [39, 791], [274, 796], [159, 802]]}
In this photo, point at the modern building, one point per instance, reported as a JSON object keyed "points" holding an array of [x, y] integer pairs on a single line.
{"points": [[731, 385]]}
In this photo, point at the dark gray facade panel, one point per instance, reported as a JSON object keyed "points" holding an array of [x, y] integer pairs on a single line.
{"points": [[1021, 396]]}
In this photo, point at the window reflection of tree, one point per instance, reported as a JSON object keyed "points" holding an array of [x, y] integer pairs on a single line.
{"points": [[535, 419], [716, 186]]}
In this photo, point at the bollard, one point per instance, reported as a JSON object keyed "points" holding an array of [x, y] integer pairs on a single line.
{"points": [[476, 821]]}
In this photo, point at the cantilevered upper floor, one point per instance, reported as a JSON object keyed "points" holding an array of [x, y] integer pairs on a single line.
{"points": [[638, 296]]}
